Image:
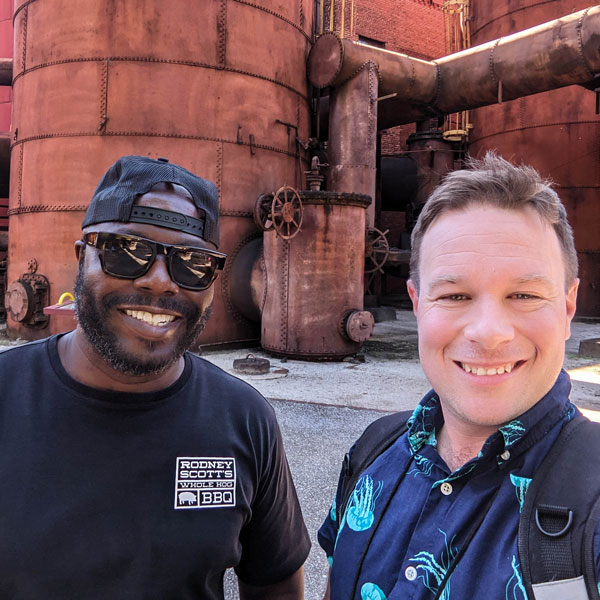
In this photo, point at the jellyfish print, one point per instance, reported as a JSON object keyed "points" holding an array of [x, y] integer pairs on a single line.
{"points": [[360, 513], [512, 432], [515, 590], [418, 423], [521, 486], [432, 571], [332, 512], [371, 591], [424, 466]]}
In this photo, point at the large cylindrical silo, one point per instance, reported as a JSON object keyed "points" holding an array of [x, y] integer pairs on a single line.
{"points": [[558, 132], [218, 86]]}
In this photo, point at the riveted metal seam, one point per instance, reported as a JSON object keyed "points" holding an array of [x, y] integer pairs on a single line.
{"points": [[539, 126], [366, 65], [491, 63], [236, 213], [203, 138], [103, 97], [580, 42], [22, 7], [37, 208], [279, 16], [413, 78], [169, 61], [222, 34], [219, 167], [371, 116], [303, 18], [20, 183], [283, 296], [24, 39]]}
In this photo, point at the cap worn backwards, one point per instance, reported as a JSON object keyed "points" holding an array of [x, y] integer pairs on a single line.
{"points": [[132, 176]]}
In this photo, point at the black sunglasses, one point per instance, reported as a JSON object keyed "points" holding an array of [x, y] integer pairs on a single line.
{"points": [[130, 257]]}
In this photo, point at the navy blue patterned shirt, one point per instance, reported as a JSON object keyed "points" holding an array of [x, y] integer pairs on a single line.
{"points": [[430, 513]]}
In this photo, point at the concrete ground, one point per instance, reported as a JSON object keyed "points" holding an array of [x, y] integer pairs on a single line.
{"points": [[323, 407]]}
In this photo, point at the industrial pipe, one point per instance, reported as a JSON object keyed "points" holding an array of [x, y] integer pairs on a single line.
{"points": [[353, 126], [6, 68], [552, 55]]}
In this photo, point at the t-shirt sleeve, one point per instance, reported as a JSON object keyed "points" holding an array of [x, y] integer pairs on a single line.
{"points": [[275, 542]]}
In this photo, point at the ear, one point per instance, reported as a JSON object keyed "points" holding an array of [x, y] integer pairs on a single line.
{"points": [[571, 306], [79, 245], [413, 293]]}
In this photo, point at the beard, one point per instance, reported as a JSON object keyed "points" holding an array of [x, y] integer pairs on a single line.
{"points": [[93, 315]]}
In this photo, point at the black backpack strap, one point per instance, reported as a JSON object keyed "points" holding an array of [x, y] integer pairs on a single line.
{"points": [[375, 440], [559, 517]]}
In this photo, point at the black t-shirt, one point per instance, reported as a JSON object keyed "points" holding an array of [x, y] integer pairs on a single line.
{"points": [[112, 495]]}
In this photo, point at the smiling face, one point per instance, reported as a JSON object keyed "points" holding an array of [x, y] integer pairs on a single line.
{"points": [[141, 326], [492, 312]]}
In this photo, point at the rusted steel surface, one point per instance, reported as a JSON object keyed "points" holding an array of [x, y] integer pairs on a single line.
{"points": [[558, 132], [140, 79], [353, 137], [315, 280], [434, 157], [552, 55], [4, 166], [247, 280], [6, 71]]}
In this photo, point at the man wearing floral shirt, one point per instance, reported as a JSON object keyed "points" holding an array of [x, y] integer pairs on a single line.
{"points": [[493, 285]]}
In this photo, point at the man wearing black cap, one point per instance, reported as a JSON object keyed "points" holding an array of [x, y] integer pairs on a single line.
{"points": [[131, 468]]}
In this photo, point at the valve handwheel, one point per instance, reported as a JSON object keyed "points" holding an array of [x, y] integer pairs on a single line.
{"points": [[286, 212], [377, 250], [262, 212]]}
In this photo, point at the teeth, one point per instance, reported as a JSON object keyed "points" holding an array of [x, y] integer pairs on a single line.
{"points": [[492, 371], [158, 320]]}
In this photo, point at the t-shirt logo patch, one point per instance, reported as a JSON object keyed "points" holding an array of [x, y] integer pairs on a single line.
{"points": [[204, 482]]}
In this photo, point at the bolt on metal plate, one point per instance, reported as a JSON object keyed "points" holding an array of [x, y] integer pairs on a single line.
{"points": [[251, 365]]}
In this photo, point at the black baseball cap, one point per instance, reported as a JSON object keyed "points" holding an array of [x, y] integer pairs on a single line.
{"points": [[132, 176]]}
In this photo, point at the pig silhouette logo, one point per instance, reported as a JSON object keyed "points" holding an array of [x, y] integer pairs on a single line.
{"points": [[188, 498]]}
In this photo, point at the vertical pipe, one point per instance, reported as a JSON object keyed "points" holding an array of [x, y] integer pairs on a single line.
{"points": [[343, 18], [353, 136], [330, 15], [321, 15]]}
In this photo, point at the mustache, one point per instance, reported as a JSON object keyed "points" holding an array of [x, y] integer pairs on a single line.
{"points": [[187, 309]]}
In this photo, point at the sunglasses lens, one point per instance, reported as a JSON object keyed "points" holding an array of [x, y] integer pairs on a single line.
{"points": [[193, 269], [126, 257]]}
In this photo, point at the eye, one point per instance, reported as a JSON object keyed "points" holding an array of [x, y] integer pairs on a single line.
{"points": [[454, 298], [524, 296]]}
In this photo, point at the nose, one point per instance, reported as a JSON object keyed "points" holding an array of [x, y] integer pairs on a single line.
{"points": [[157, 280], [489, 324]]}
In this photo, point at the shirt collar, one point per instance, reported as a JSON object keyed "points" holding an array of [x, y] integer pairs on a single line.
{"points": [[511, 439]]}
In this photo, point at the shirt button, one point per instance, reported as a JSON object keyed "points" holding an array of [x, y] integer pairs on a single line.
{"points": [[505, 455], [446, 488], [410, 573]]}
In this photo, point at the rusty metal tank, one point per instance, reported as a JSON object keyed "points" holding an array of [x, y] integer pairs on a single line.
{"points": [[5, 115], [218, 86], [558, 132], [314, 277]]}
